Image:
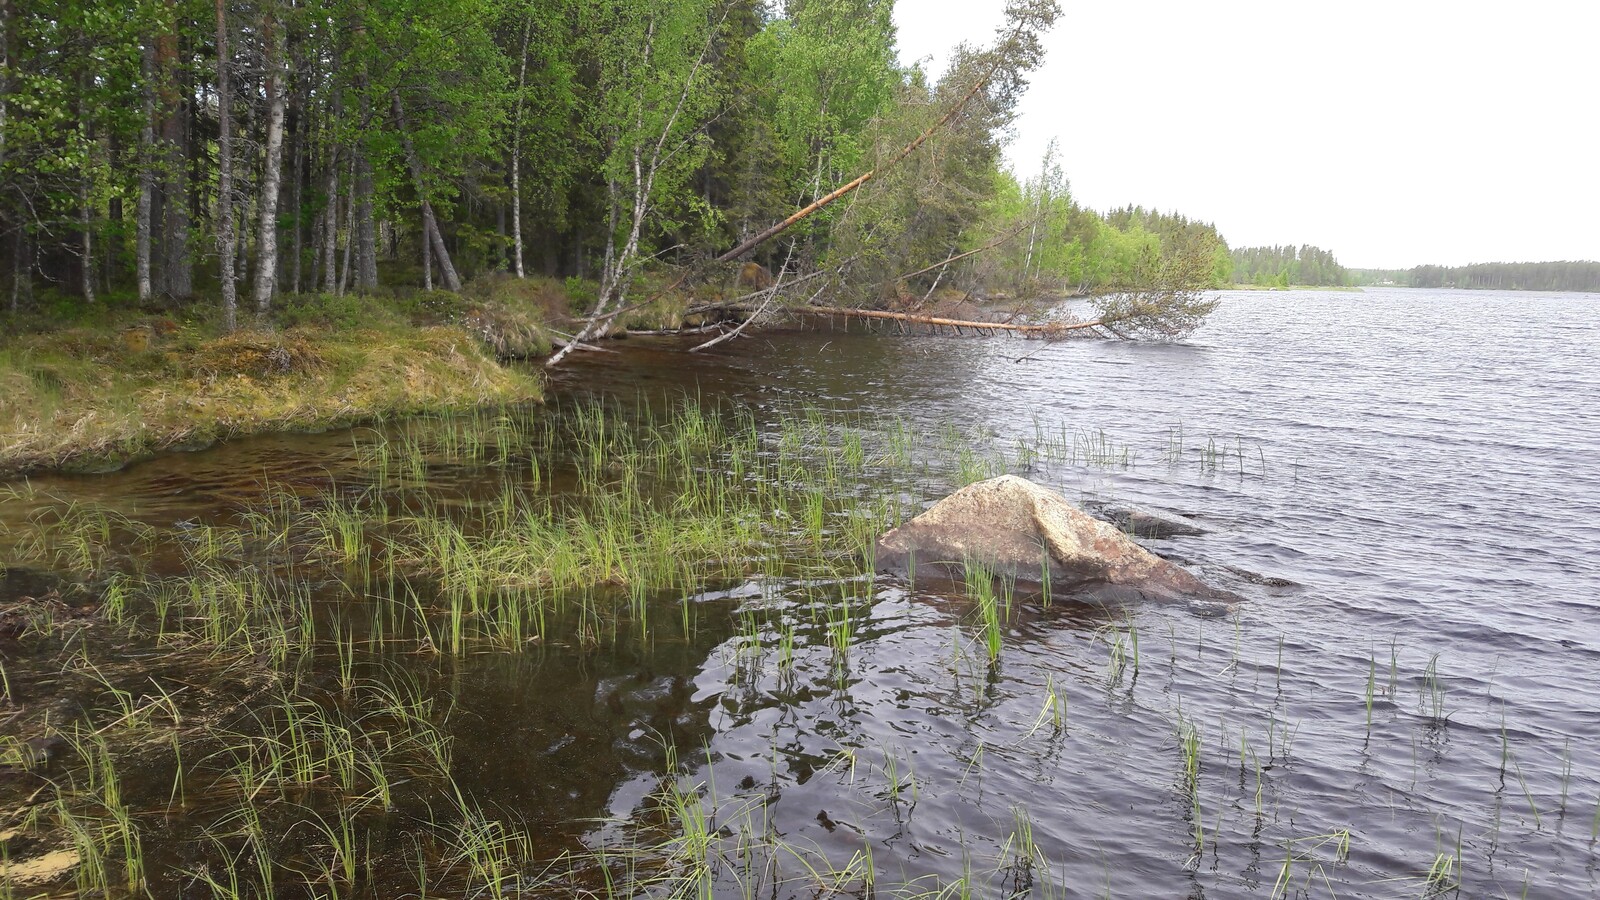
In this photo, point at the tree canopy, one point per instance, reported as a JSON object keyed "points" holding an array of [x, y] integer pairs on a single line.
{"points": [[177, 151]]}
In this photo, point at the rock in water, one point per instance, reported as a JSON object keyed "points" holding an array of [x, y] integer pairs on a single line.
{"points": [[1145, 523], [1016, 528]]}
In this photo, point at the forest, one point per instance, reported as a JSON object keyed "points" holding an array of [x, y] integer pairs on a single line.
{"points": [[1287, 265], [200, 156], [1523, 276]]}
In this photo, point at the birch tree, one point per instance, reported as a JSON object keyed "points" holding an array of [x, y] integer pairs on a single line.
{"points": [[654, 96], [271, 180], [225, 233]]}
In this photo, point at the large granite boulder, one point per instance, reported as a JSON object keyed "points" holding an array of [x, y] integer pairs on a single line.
{"points": [[1016, 528]]}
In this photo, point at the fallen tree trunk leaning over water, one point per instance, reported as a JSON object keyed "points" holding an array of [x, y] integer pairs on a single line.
{"points": [[1026, 21], [1047, 330]]}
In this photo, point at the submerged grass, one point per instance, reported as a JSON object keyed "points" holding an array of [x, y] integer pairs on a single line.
{"points": [[286, 712]]}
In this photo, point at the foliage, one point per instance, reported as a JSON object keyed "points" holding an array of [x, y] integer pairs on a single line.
{"points": [[1170, 302], [1527, 276], [642, 132], [1287, 265]]}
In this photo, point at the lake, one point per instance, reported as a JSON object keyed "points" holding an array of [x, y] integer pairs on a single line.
{"points": [[1401, 484]]}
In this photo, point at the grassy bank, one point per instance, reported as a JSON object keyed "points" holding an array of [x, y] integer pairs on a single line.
{"points": [[89, 389]]}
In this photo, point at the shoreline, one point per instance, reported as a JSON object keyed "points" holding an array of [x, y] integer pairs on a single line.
{"points": [[1269, 288], [97, 397]]}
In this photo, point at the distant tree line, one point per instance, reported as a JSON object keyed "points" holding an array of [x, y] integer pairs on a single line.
{"points": [[1051, 244], [1532, 276], [1286, 265]]}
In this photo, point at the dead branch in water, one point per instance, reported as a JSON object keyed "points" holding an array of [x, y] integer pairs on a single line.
{"points": [[1048, 330]]}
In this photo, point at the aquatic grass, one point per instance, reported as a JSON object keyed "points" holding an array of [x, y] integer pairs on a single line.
{"points": [[1538, 820], [484, 567], [992, 608], [1444, 875], [1372, 676], [1052, 711], [1306, 850], [1432, 699], [1122, 642]]}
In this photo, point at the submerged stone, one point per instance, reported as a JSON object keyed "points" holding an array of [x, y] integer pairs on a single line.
{"points": [[1021, 531], [1145, 523]]}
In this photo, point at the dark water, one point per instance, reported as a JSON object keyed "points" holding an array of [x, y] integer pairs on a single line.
{"points": [[1420, 465]]}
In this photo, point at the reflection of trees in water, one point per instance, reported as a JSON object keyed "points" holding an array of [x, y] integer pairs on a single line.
{"points": [[547, 735]]}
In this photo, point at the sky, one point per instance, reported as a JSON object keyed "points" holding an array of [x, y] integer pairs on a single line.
{"points": [[1392, 133]]}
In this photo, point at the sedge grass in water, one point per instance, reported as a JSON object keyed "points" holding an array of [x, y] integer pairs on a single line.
{"points": [[618, 654]]}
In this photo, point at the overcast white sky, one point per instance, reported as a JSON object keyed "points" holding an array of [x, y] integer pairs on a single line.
{"points": [[1392, 133]]}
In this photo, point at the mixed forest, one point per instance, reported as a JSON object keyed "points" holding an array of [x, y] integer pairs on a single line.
{"points": [[1282, 266], [1522, 276], [227, 155]]}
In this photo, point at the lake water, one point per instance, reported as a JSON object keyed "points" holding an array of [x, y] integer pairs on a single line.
{"points": [[1401, 484]]}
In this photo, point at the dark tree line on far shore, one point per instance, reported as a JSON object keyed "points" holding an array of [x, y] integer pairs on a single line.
{"points": [[1521, 276], [1286, 265]]}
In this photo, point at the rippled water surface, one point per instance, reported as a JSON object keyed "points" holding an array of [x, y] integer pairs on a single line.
{"points": [[1422, 464], [1402, 485]]}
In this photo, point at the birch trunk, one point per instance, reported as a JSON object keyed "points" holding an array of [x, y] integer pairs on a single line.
{"points": [[516, 153], [619, 263], [301, 126], [225, 236], [272, 174], [147, 175]]}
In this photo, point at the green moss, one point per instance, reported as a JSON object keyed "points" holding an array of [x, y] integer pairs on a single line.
{"points": [[96, 397]]}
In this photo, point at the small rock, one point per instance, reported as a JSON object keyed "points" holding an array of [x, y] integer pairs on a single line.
{"points": [[1145, 523]]}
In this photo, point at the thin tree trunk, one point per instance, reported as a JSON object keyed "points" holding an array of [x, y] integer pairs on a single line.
{"points": [[147, 176], [302, 124], [427, 260], [349, 230], [365, 233], [85, 181], [18, 255], [316, 250], [361, 227], [225, 235], [271, 178], [177, 273], [86, 257], [330, 238], [430, 228], [516, 153]]}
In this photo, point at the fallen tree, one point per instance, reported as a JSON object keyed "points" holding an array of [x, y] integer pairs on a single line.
{"points": [[1016, 51], [1045, 330]]}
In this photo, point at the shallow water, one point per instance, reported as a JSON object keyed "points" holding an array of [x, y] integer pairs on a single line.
{"points": [[1419, 464]]}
